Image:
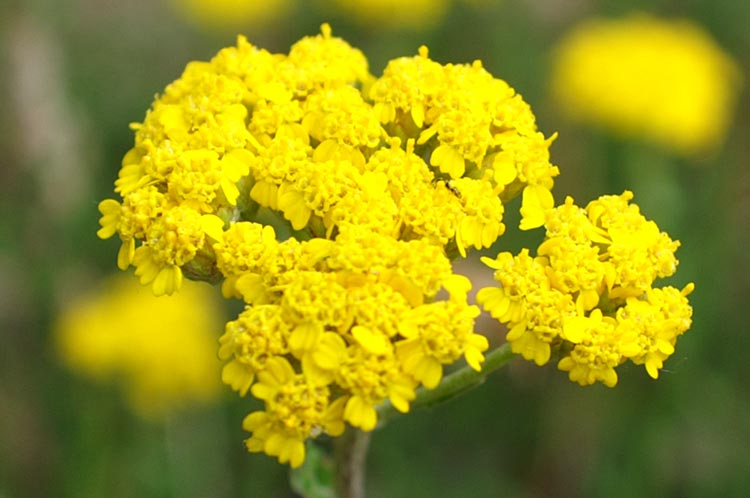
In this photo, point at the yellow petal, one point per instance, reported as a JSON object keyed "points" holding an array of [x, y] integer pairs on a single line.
{"points": [[449, 160], [458, 286], [213, 226], [330, 351], [292, 203], [360, 414], [254, 420], [536, 200], [265, 194], [251, 287], [167, 281], [504, 168], [125, 254], [429, 372], [575, 329], [304, 337], [296, 454], [371, 341], [238, 376], [417, 114], [653, 364]]}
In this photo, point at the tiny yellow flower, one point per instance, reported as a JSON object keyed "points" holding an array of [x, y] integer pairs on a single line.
{"points": [[371, 378], [294, 410], [597, 351], [172, 241], [657, 320], [436, 334], [259, 333]]}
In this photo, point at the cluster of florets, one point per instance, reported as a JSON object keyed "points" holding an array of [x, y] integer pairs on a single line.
{"points": [[425, 152], [376, 180], [588, 293], [332, 328]]}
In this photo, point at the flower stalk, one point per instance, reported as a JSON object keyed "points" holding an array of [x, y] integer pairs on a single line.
{"points": [[350, 455], [452, 385], [343, 475]]}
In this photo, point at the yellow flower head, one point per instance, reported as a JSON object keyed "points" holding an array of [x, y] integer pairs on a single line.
{"points": [[160, 349], [295, 410], [662, 80], [375, 181]]}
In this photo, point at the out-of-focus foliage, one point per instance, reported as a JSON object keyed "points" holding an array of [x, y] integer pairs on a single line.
{"points": [[76, 72]]}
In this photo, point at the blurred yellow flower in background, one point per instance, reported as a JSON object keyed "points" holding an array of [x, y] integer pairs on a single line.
{"points": [[665, 81], [217, 14], [395, 13], [162, 350]]}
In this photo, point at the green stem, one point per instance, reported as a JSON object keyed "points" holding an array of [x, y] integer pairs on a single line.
{"points": [[350, 454], [320, 475], [452, 385]]}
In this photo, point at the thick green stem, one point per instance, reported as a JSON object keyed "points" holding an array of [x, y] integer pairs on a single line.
{"points": [[452, 385]]}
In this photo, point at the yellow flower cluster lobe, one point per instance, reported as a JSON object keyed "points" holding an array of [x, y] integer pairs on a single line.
{"points": [[589, 292]]}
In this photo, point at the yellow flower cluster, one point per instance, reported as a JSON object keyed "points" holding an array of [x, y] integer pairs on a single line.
{"points": [[376, 178], [332, 328], [588, 293], [661, 80], [378, 181], [160, 349]]}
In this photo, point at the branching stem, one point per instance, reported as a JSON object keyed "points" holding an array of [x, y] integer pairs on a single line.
{"points": [[350, 454], [452, 385]]}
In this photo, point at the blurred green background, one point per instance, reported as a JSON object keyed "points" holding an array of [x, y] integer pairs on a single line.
{"points": [[76, 72]]}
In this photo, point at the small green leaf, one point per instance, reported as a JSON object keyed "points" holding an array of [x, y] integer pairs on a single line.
{"points": [[315, 478]]}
